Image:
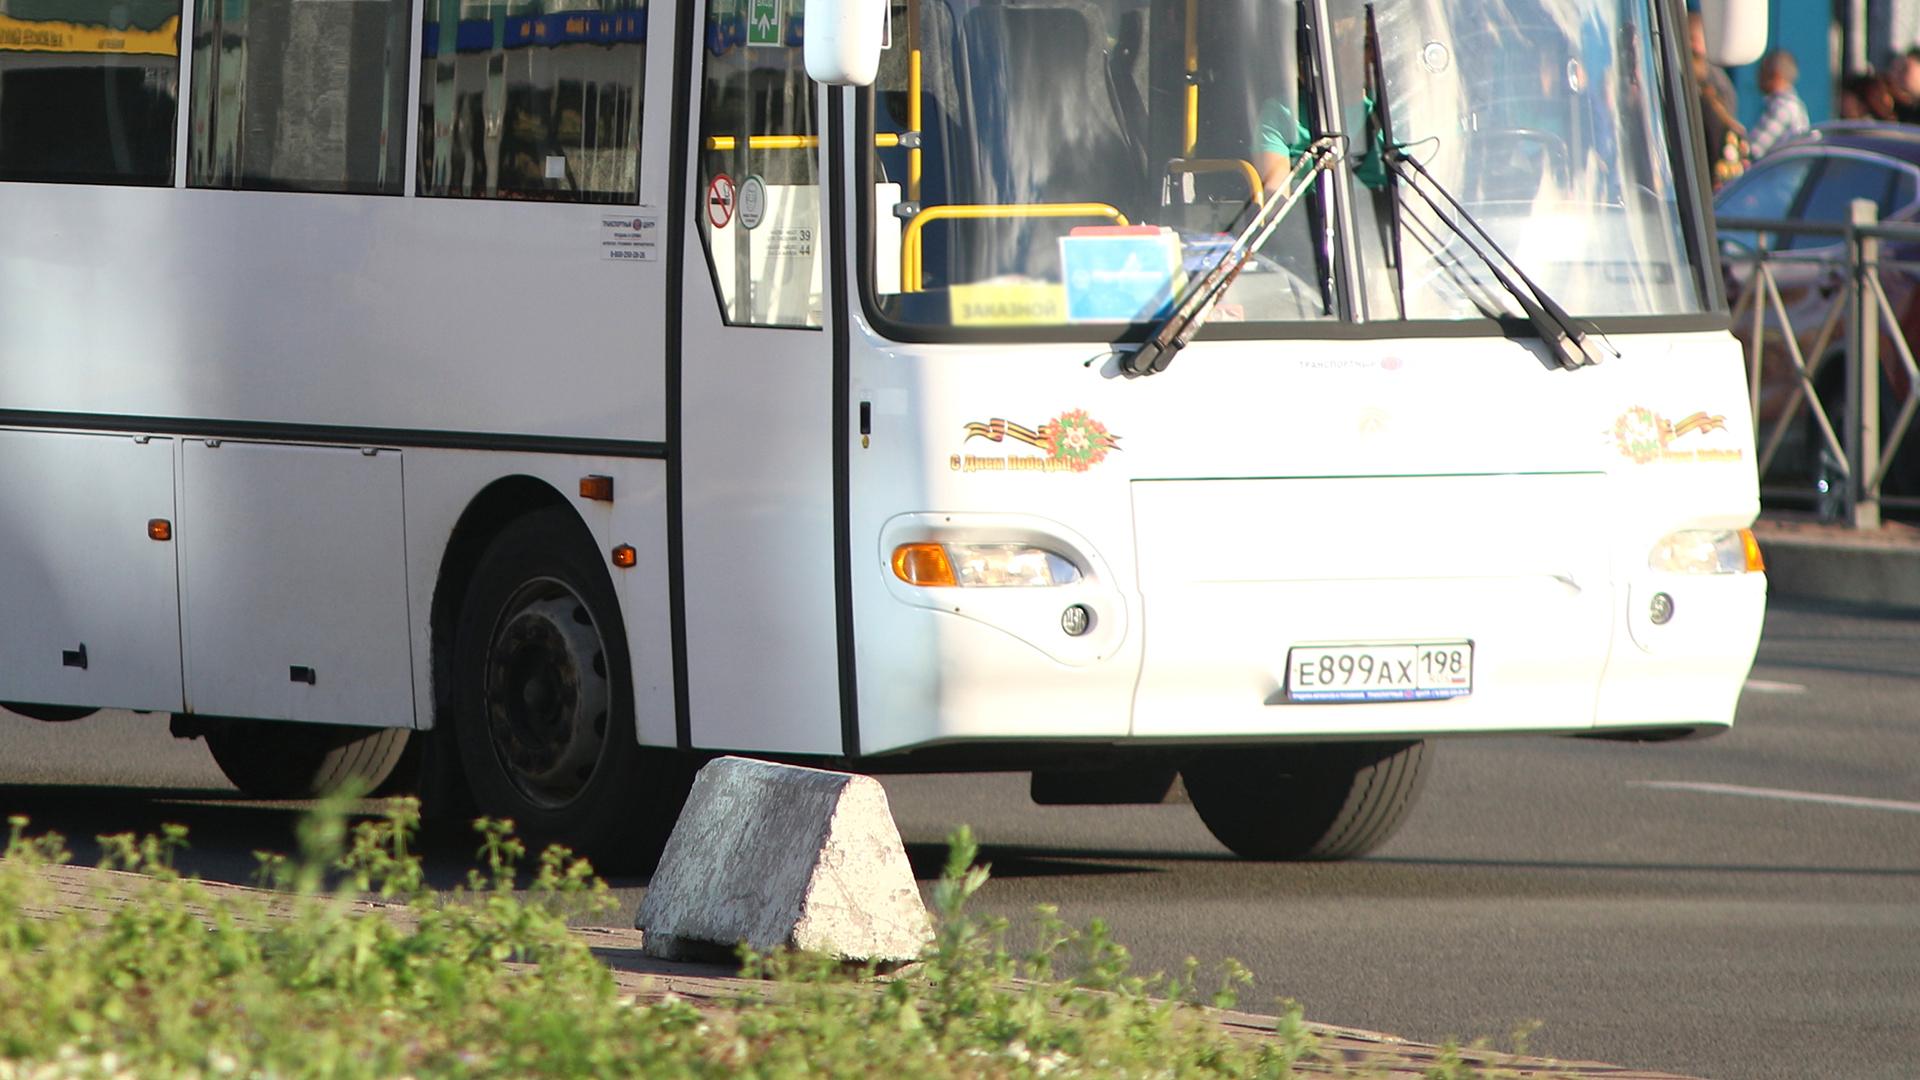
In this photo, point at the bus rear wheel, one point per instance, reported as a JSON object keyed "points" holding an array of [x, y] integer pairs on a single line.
{"points": [[544, 720], [270, 760], [1310, 802]]}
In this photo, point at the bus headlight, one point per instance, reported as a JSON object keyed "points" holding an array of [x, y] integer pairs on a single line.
{"points": [[1707, 551], [981, 565]]}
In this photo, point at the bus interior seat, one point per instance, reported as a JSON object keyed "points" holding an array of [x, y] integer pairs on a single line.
{"points": [[1041, 101], [1127, 73]]}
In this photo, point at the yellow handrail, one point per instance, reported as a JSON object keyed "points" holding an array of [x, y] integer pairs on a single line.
{"points": [[910, 269], [1223, 165], [913, 104], [1193, 78], [884, 140]]}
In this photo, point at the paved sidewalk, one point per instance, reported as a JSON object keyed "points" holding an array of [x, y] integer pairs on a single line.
{"points": [[1344, 1050], [1815, 561]]}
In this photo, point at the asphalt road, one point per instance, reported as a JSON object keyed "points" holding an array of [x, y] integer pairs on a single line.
{"points": [[1724, 933]]}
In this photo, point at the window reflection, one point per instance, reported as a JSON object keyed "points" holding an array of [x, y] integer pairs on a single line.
{"points": [[1544, 117], [1036, 159], [88, 90], [532, 99], [1080, 160], [299, 95], [759, 204]]}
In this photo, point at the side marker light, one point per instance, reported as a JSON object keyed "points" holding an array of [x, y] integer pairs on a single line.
{"points": [[597, 488], [625, 557], [159, 529]]}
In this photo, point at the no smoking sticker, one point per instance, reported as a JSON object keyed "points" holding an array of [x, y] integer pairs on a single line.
{"points": [[720, 196]]}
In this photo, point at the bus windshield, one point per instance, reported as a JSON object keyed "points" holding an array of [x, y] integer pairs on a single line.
{"points": [[1061, 162]]}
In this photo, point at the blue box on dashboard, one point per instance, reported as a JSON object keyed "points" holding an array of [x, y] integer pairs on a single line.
{"points": [[1120, 273]]}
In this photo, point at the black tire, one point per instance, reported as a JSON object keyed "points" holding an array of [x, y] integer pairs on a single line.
{"points": [[304, 761], [543, 701], [52, 714], [1312, 802]]}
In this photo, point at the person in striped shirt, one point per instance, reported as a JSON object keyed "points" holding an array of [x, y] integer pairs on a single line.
{"points": [[1784, 115]]}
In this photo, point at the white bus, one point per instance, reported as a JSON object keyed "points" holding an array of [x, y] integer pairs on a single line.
{"points": [[525, 398]]}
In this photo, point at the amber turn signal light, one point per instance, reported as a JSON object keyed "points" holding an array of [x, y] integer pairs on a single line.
{"points": [[923, 564], [624, 556], [597, 488], [159, 529], [1751, 547]]}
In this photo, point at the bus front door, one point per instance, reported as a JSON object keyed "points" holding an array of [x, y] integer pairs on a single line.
{"points": [[753, 443]]}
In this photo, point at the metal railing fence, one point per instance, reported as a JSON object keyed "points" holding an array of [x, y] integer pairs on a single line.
{"points": [[1825, 438]]}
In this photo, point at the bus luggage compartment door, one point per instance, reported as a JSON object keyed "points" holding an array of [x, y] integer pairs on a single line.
{"points": [[293, 583], [1237, 574], [89, 599]]}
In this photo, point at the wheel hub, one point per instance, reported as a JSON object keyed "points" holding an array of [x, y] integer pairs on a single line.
{"points": [[547, 692]]}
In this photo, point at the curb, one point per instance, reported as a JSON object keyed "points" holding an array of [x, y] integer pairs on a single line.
{"points": [[1811, 561]]}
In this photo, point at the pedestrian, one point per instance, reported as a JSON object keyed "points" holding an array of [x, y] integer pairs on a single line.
{"points": [[1784, 115], [1711, 76], [1865, 96], [1903, 78], [1726, 140]]}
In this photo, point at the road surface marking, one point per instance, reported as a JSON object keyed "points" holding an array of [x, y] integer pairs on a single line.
{"points": [[1765, 686], [1780, 793]]}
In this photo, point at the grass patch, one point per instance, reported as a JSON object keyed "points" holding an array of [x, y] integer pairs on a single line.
{"points": [[180, 980]]}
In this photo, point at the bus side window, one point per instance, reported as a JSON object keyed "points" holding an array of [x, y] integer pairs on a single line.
{"points": [[290, 95], [759, 199], [532, 105], [88, 92]]}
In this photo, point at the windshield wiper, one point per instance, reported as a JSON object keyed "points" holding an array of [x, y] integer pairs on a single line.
{"points": [[1196, 301], [1571, 344]]}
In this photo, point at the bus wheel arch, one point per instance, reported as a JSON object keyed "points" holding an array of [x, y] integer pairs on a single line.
{"points": [[493, 509], [540, 689]]}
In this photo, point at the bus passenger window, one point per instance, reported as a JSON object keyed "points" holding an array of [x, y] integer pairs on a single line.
{"points": [[299, 95], [759, 198], [88, 91], [535, 99]]}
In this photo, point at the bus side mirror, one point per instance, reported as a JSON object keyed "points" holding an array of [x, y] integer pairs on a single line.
{"points": [[843, 39], [1736, 30]]}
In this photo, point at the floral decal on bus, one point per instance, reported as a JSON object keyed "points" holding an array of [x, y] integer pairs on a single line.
{"points": [[1644, 435], [1072, 441]]}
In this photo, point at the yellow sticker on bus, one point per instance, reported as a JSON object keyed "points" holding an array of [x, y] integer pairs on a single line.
{"points": [[54, 36], [1009, 303]]}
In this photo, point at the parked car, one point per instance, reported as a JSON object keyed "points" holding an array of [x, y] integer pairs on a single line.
{"points": [[1814, 179]]}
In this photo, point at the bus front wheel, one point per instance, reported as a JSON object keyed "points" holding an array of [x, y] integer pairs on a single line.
{"points": [[544, 721], [1327, 801]]}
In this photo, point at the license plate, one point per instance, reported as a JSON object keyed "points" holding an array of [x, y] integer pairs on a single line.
{"points": [[1417, 672]]}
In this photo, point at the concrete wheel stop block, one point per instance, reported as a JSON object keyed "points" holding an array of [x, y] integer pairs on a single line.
{"points": [[778, 856]]}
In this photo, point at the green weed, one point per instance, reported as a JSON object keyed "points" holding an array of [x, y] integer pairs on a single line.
{"points": [[183, 980]]}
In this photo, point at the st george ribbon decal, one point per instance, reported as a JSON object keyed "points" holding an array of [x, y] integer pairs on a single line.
{"points": [[1645, 436], [1071, 442]]}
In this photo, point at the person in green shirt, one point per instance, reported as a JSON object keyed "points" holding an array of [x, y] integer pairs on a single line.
{"points": [[1281, 138]]}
